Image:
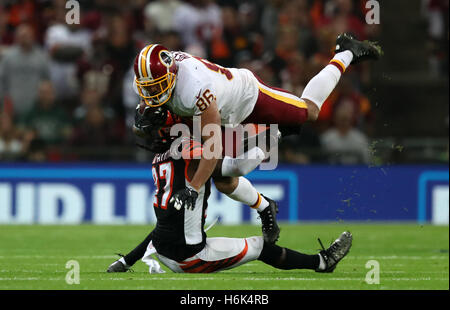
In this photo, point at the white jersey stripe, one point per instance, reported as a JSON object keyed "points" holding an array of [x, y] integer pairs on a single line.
{"points": [[139, 64], [143, 64], [193, 219], [149, 72]]}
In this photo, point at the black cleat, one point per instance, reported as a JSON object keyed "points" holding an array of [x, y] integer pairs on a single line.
{"points": [[361, 50], [118, 266], [270, 229], [337, 251]]}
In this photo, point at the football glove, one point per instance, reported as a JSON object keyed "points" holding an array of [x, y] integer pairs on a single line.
{"points": [[184, 198]]}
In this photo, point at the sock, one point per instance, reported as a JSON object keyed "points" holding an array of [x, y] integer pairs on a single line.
{"points": [[320, 87], [235, 167], [246, 193], [122, 260], [322, 264], [343, 60], [260, 204], [286, 259], [137, 253]]}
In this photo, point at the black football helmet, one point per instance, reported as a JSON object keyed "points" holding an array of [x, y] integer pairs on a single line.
{"points": [[148, 119], [153, 125]]}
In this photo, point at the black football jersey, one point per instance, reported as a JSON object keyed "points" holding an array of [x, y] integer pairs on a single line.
{"points": [[178, 234]]}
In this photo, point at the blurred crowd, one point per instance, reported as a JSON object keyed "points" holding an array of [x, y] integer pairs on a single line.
{"points": [[435, 13], [65, 89]]}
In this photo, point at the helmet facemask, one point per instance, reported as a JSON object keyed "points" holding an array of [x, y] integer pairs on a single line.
{"points": [[156, 92]]}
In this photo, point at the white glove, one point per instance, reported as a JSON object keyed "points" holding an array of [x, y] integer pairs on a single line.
{"points": [[153, 265]]}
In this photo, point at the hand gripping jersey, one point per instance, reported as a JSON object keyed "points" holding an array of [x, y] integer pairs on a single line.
{"points": [[178, 234], [199, 81]]}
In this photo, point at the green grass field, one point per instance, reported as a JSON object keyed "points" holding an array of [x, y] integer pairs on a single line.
{"points": [[410, 257]]}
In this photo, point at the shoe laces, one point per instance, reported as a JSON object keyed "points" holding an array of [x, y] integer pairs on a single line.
{"points": [[321, 244], [266, 217], [332, 247]]}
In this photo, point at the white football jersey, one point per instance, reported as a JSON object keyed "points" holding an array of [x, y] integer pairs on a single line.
{"points": [[199, 81]]}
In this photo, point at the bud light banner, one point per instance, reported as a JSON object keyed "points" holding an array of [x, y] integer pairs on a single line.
{"points": [[123, 194]]}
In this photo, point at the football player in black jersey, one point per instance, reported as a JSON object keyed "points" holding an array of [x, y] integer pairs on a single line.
{"points": [[179, 240], [155, 124]]}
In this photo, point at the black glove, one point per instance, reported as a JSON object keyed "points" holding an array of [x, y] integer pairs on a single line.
{"points": [[184, 198]]}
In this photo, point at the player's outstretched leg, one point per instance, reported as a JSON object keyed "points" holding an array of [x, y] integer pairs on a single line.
{"points": [[335, 253], [124, 263], [325, 261], [348, 51]]}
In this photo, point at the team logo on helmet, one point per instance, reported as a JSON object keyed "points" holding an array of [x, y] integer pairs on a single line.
{"points": [[166, 58]]}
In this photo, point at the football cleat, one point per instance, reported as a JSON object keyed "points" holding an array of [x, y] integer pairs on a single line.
{"points": [[270, 229], [118, 266], [361, 50], [336, 252]]}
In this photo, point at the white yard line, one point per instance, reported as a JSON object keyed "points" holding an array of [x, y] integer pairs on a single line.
{"points": [[393, 257], [31, 256], [399, 257], [152, 278]]}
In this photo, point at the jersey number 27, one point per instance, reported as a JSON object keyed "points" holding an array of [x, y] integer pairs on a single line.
{"points": [[163, 171]]}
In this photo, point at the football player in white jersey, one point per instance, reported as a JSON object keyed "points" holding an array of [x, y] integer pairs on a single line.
{"points": [[190, 86]]}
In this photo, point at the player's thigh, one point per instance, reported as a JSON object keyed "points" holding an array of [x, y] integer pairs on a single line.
{"points": [[224, 253], [232, 251], [169, 263], [278, 106], [218, 254]]}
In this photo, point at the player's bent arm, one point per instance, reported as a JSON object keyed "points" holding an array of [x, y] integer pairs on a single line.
{"points": [[212, 142], [313, 110]]}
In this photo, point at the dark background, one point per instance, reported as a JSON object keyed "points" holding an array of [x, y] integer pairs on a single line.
{"points": [[72, 100]]}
